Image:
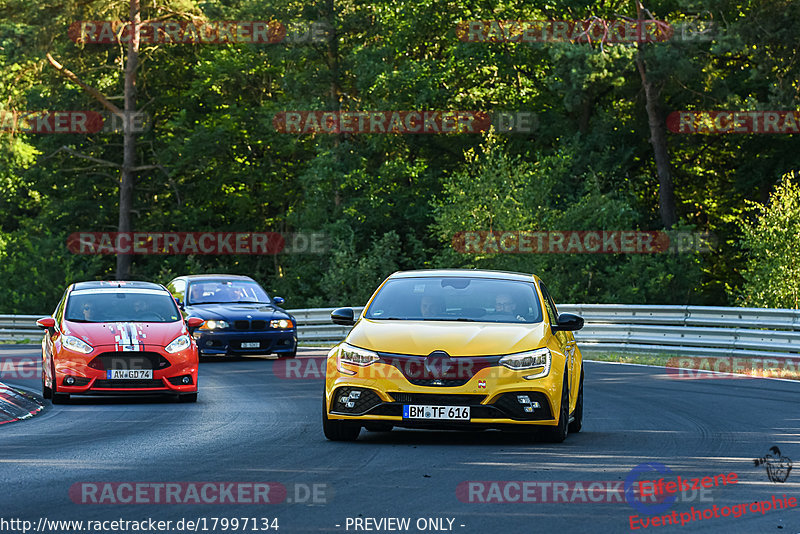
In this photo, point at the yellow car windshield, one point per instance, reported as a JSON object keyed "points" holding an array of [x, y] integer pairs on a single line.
{"points": [[456, 299]]}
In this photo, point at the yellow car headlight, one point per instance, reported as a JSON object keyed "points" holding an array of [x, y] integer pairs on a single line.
{"points": [[355, 356], [537, 361]]}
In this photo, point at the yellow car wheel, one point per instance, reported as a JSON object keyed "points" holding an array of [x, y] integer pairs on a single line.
{"points": [[558, 433], [338, 430], [577, 422]]}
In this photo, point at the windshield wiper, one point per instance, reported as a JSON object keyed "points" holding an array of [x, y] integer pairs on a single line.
{"points": [[228, 302]]}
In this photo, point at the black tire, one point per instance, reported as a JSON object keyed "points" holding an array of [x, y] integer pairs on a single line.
{"points": [[577, 415], [187, 397], [58, 398], [558, 433], [336, 430], [47, 393], [378, 427], [292, 354]]}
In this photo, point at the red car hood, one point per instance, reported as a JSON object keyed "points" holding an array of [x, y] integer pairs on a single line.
{"points": [[125, 336]]}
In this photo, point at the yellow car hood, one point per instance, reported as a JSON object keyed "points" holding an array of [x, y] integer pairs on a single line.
{"points": [[455, 338]]}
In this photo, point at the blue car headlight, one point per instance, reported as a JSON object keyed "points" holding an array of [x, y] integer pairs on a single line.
{"points": [[214, 324]]}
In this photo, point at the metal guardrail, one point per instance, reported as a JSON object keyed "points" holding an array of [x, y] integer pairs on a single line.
{"points": [[20, 327], [685, 330]]}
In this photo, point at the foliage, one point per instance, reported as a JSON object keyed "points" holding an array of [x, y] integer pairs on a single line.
{"points": [[213, 160], [771, 241]]}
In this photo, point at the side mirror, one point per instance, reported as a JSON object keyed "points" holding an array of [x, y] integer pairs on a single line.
{"points": [[568, 322], [278, 300], [343, 316], [194, 323], [46, 323], [178, 302]]}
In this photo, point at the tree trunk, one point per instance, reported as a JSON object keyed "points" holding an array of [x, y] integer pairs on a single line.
{"points": [[666, 190], [334, 101], [127, 176]]}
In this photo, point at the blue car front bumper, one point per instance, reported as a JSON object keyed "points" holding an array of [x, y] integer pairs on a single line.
{"points": [[222, 343]]}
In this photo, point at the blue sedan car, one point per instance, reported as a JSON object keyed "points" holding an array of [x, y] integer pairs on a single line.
{"points": [[240, 318]]}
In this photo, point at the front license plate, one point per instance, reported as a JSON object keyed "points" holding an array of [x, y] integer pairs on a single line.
{"points": [[251, 345], [129, 374], [416, 411]]}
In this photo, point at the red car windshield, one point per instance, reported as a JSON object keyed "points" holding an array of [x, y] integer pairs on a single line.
{"points": [[107, 306]]}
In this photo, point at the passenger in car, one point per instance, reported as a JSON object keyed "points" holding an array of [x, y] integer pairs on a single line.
{"points": [[431, 306], [196, 294], [505, 304]]}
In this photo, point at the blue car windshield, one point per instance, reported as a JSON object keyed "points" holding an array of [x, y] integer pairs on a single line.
{"points": [[225, 292], [457, 299], [130, 305]]}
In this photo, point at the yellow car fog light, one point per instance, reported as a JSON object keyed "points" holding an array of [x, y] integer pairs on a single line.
{"points": [[527, 404]]}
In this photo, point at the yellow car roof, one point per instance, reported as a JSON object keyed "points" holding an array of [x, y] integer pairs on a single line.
{"points": [[472, 273]]}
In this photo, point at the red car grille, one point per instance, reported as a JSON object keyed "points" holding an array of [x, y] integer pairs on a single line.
{"points": [[129, 360], [129, 384]]}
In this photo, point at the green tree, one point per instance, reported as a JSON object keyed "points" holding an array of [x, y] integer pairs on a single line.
{"points": [[771, 241]]}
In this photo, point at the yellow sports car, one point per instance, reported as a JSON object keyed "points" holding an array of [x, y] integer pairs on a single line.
{"points": [[456, 349]]}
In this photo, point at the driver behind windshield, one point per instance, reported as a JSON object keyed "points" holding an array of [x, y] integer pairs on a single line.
{"points": [[505, 304], [225, 294], [196, 294], [431, 306], [140, 306], [88, 311]]}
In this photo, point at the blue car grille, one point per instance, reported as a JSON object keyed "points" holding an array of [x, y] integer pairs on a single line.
{"points": [[250, 325]]}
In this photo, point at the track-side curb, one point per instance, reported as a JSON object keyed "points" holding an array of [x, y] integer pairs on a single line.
{"points": [[16, 405]]}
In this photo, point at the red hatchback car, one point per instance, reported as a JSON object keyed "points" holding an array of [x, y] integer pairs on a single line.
{"points": [[118, 338]]}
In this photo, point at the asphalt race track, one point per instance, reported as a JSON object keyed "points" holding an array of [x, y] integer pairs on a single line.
{"points": [[252, 426]]}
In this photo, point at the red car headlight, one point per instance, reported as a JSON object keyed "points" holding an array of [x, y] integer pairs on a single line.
{"points": [[178, 344], [78, 345]]}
